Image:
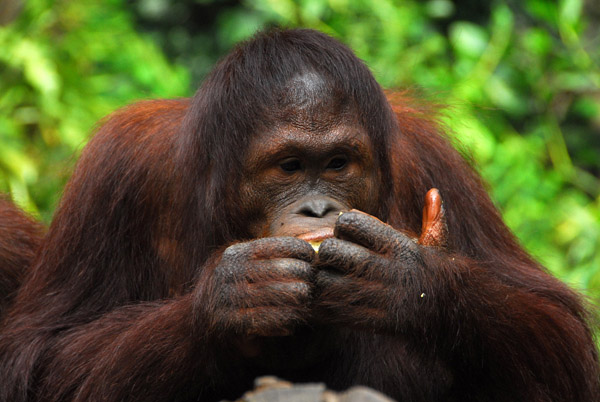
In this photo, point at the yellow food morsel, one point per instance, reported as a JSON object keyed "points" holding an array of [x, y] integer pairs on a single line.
{"points": [[315, 245]]}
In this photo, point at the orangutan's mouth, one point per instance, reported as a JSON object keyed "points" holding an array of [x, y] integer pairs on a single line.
{"points": [[316, 237]]}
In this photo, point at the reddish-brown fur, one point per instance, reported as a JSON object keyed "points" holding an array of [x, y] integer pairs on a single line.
{"points": [[122, 301], [20, 236]]}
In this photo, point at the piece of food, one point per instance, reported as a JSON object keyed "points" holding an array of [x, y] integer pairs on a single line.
{"points": [[315, 245], [315, 238]]}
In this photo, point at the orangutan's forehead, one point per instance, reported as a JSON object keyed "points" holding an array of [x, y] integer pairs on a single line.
{"points": [[312, 102]]}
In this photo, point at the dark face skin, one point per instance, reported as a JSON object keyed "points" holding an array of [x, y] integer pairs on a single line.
{"points": [[300, 180], [313, 163]]}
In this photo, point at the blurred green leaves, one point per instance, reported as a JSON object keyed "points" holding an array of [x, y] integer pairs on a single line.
{"points": [[521, 80], [63, 66]]}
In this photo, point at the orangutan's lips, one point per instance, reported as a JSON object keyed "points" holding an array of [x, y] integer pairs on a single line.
{"points": [[316, 237]]}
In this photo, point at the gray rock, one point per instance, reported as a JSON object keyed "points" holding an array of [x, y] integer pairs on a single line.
{"points": [[272, 389]]}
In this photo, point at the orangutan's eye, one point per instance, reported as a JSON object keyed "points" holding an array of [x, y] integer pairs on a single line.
{"points": [[337, 163], [291, 165]]}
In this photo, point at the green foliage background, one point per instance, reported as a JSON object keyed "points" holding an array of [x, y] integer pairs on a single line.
{"points": [[521, 78]]}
